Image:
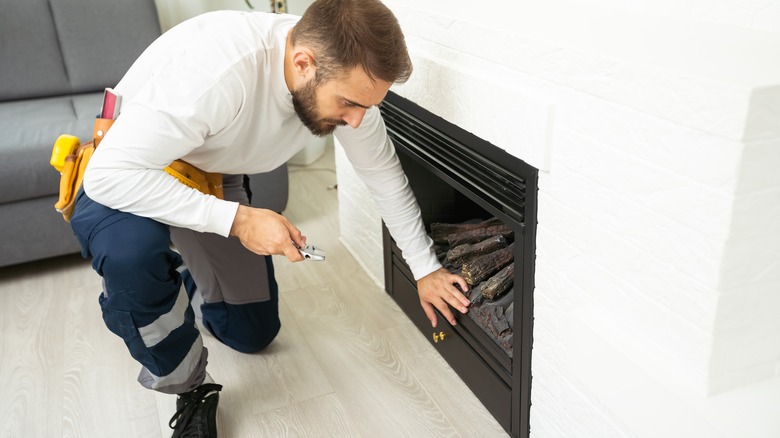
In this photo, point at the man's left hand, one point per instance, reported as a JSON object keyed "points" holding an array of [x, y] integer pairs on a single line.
{"points": [[438, 290]]}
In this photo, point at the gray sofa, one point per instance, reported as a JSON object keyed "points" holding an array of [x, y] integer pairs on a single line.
{"points": [[56, 57]]}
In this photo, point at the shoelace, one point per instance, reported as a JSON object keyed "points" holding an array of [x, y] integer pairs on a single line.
{"points": [[190, 402]]}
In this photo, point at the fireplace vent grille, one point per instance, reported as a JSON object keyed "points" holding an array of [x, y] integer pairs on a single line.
{"points": [[457, 162]]}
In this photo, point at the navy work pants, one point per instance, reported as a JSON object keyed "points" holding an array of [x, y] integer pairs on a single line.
{"points": [[142, 279]]}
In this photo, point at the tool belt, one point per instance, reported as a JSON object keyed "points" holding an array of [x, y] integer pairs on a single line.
{"points": [[70, 157]]}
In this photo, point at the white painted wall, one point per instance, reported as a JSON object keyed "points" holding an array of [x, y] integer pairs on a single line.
{"points": [[656, 126], [172, 12]]}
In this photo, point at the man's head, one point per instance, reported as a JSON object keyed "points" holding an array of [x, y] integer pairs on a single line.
{"points": [[345, 55]]}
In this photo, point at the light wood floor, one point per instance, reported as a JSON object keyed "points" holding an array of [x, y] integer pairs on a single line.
{"points": [[347, 361]]}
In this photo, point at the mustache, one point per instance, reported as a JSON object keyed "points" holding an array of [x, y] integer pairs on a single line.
{"points": [[337, 122]]}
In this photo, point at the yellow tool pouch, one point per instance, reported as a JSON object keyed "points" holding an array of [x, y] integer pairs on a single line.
{"points": [[71, 158], [191, 176]]}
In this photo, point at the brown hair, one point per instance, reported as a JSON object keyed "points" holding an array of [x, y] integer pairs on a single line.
{"points": [[344, 34]]}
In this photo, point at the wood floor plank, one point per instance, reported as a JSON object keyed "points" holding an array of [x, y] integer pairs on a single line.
{"points": [[286, 372], [322, 417], [461, 407], [338, 263], [313, 208], [31, 354], [313, 197], [378, 391], [313, 201], [101, 395]]}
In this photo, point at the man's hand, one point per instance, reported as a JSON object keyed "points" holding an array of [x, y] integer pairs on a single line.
{"points": [[266, 232], [437, 289]]}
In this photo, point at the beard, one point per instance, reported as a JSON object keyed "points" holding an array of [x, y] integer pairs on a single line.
{"points": [[304, 102]]}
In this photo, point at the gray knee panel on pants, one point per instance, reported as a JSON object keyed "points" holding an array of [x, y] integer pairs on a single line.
{"points": [[223, 269]]}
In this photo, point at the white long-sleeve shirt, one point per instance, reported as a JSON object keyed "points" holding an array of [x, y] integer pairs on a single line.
{"points": [[211, 91]]}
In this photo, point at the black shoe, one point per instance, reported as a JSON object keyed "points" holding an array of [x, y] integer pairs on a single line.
{"points": [[196, 412]]}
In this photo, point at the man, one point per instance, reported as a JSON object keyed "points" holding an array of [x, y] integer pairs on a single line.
{"points": [[237, 93]]}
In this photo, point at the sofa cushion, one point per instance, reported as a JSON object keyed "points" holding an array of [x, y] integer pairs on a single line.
{"points": [[31, 65], [100, 39], [55, 48], [29, 129], [33, 230]]}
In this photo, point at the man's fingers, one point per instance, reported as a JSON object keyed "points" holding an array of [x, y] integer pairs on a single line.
{"points": [[454, 279], [266, 232], [440, 290], [459, 297], [291, 252], [296, 236], [461, 282], [456, 302], [445, 312], [429, 312]]}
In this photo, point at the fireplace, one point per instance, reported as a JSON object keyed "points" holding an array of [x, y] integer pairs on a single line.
{"points": [[461, 179]]}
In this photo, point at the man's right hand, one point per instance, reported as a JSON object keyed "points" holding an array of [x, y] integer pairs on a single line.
{"points": [[266, 232]]}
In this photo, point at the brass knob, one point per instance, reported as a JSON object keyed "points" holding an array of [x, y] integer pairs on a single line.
{"points": [[438, 337]]}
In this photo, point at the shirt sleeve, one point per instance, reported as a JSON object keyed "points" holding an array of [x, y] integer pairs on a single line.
{"points": [[164, 122], [373, 157]]}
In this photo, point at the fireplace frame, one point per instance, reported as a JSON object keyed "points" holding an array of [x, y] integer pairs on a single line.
{"points": [[507, 189]]}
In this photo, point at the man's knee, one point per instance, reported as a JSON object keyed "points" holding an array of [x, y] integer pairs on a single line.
{"points": [[248, 328], [258, 341]]}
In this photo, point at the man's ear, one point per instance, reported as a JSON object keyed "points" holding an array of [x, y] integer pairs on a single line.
{"points": [[303, 63]]}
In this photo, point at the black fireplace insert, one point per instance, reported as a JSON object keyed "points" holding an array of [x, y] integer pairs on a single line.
{"points": [[479, 204]]}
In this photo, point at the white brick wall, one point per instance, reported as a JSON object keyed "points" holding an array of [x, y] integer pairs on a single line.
{"points": [[657, 129], [360, 224]]}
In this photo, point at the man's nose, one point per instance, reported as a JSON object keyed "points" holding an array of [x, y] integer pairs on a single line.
{"points": [[354, 116]]}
